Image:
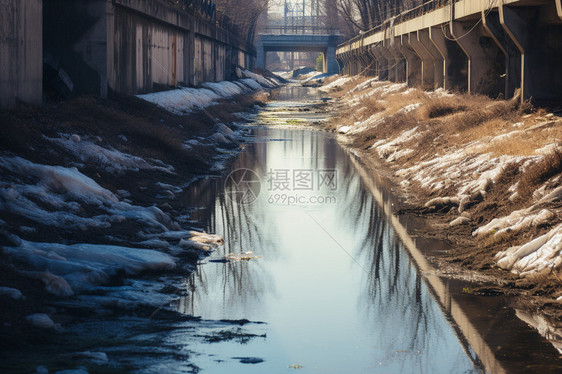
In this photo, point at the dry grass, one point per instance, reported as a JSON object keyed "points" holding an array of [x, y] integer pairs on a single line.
{"points": [[435, 108], [472, 122], [345, 88], [459, 120], [331, 79], [538, 173]]}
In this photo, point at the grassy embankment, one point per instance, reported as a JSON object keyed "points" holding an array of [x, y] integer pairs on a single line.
{"points": [[484, 174]]}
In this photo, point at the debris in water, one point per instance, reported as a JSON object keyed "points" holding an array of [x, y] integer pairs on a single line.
{"points": [[246, 256], [249, 360]]}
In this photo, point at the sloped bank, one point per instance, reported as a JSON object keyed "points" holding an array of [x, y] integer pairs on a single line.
{"points": [[88, 203], [483, 175]]}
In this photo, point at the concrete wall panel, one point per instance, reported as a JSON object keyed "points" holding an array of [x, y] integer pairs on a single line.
{"points": [[21, 52]]}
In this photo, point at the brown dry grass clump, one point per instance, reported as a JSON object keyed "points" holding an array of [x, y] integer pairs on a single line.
{"points": [[342, 90], [538, 173]]}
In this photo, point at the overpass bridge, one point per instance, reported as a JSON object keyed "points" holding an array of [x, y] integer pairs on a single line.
{"points": [[299, 39], [492, 47]]}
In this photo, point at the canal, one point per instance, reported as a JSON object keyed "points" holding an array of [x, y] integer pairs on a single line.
{"points": [[316, 275], [313, 262]]}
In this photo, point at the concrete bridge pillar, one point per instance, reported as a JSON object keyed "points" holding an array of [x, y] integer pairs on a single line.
{"points": [[455, 64], [438, 40], [261, 60], [330, 63], [512, 57], [516, 28], [401, 67], [374, 69], [391, 65], [427, 64], [413, 62], [481, 77], [353, 63], [365, 61], [438, 65], [382, 68], [395, 59], [347, 63]]}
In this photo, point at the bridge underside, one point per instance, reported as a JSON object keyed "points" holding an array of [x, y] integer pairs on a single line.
{"points": [[471, 45], [325, 44]]}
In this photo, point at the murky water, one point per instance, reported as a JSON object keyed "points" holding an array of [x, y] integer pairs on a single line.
{"points": [[328, 280]]}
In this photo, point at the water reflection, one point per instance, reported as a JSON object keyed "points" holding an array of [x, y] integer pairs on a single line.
{"points": [[333, 282]]}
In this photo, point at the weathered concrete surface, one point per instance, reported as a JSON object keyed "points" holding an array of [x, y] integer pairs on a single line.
{"points": [[21, 52], [137, 46], [478, 46]]}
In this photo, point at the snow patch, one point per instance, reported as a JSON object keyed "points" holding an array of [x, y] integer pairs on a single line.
{"points": [[14, 293], [83, 265], [113, 160], [517, 221], [265, 82], [542, 253], [41, 320], [338, 83]]}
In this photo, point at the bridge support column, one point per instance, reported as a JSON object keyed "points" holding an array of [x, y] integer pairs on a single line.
{"points": [[438, 65], [481, 77], [413, 62], [455, 63], [427, 65], [391, 65], [373, 69], [330, 63], [346, 63], [382, 68], [516, 28], [365, 61], [512, 58], [261, 60], [401, 62], [395, 59], [354, 63]]}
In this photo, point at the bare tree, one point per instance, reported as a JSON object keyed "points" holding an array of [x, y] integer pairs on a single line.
{"points": [[244, 14], [362, 15]]}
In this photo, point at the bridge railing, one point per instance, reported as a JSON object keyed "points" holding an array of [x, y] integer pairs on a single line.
{"points": [[409, 14], [298, 30]]}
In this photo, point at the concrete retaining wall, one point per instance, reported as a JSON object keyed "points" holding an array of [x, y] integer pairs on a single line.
{"points": [[139, 46], [99, 46], [21, 70]]}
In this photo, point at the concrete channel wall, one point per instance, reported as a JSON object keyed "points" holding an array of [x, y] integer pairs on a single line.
{"points": [[99, 46], [21, 71], [480, 46]]}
